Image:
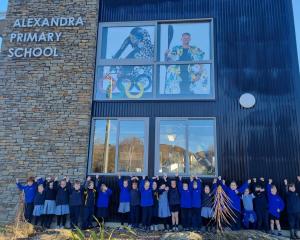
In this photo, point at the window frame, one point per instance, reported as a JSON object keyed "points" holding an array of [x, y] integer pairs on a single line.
{"points": [[146, 146], [155, 63], [157, 143]]}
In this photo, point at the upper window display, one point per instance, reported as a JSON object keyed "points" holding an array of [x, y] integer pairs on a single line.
{"points": [[128, 42], [185, 42], [155, 60]]}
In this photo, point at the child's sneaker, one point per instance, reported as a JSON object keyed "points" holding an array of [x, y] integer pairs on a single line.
{"points": [[279, 233]]}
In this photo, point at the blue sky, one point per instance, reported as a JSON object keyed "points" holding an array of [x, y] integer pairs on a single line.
{"points": [[3, 5], [296, 4]]}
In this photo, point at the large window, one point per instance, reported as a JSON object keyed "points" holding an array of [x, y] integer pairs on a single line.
{"points": [[119, 145], [186, 146], [155, 60]]}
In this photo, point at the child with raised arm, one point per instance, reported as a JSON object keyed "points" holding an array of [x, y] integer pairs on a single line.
{"points": [[249, 216], [155, 192], [102, 205], [50, 197], [39, 201], [195, 185], [29, 190], [174, 202], [124, 205], [261, 206], [75, 201], [89, 199], [276, 206], [185, 204], [62, 201], [146, 202], [135, 201], [163, 204], [207, 204], [233, 193], [293, 208]]}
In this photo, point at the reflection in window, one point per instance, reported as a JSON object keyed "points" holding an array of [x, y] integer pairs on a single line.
{"points": [[172, 146], [3, 9], [104, 148], [184, 80], [128, 42], [124, 82], [192, 139], [118, 146], [201, 147], [0, 43], [131, 146]]}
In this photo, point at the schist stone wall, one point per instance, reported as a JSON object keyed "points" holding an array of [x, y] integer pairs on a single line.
{"points": [[46, 80]]}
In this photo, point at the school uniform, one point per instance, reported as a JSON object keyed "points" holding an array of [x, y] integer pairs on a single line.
{"points": [[249, 216], [103, 203], [50, 205], [124, 206], [29, 192], [38, 210], [163, 207], [293, 210], [62, 203], [89, 199], [155, 219], [235, 203], [146, 203], [206, 210], [275, 203], [261, 209], [75, 203], [135, 200], [174, 199], [196, 205], [185, 205]]}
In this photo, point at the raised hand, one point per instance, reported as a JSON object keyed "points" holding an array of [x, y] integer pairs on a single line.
{"points": [[17, 180], [298, 178], [119, 175], [220, 178], [97, 176], [270, 181], [249, 181], [254, 180], [88, 178], [214, 181], [285, 182], [262, 179]]}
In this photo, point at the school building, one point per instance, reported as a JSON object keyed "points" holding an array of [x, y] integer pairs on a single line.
{"points": [[147, 87]]}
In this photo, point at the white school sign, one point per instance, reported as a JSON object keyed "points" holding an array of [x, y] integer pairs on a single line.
{"points": [[39, 37]]}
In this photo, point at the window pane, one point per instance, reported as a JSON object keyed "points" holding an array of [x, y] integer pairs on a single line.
{"points": [[201, 147], [185, 42], [104, 148], [124, 82], [185, 81], [127, 42], [172, 142], [131, 146], [296, 8]]}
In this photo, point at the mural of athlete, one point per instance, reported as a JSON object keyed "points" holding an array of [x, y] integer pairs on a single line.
{"points": [[185, 79], [133, 81]]}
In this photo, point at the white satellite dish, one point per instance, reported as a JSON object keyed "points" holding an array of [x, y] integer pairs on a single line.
{"points": [[247, 100]]}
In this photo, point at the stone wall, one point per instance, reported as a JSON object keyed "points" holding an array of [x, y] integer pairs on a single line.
{"points": [[45, 102]]}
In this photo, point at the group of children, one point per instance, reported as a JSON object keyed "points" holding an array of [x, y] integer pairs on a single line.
{"points": [[160, 200]]}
